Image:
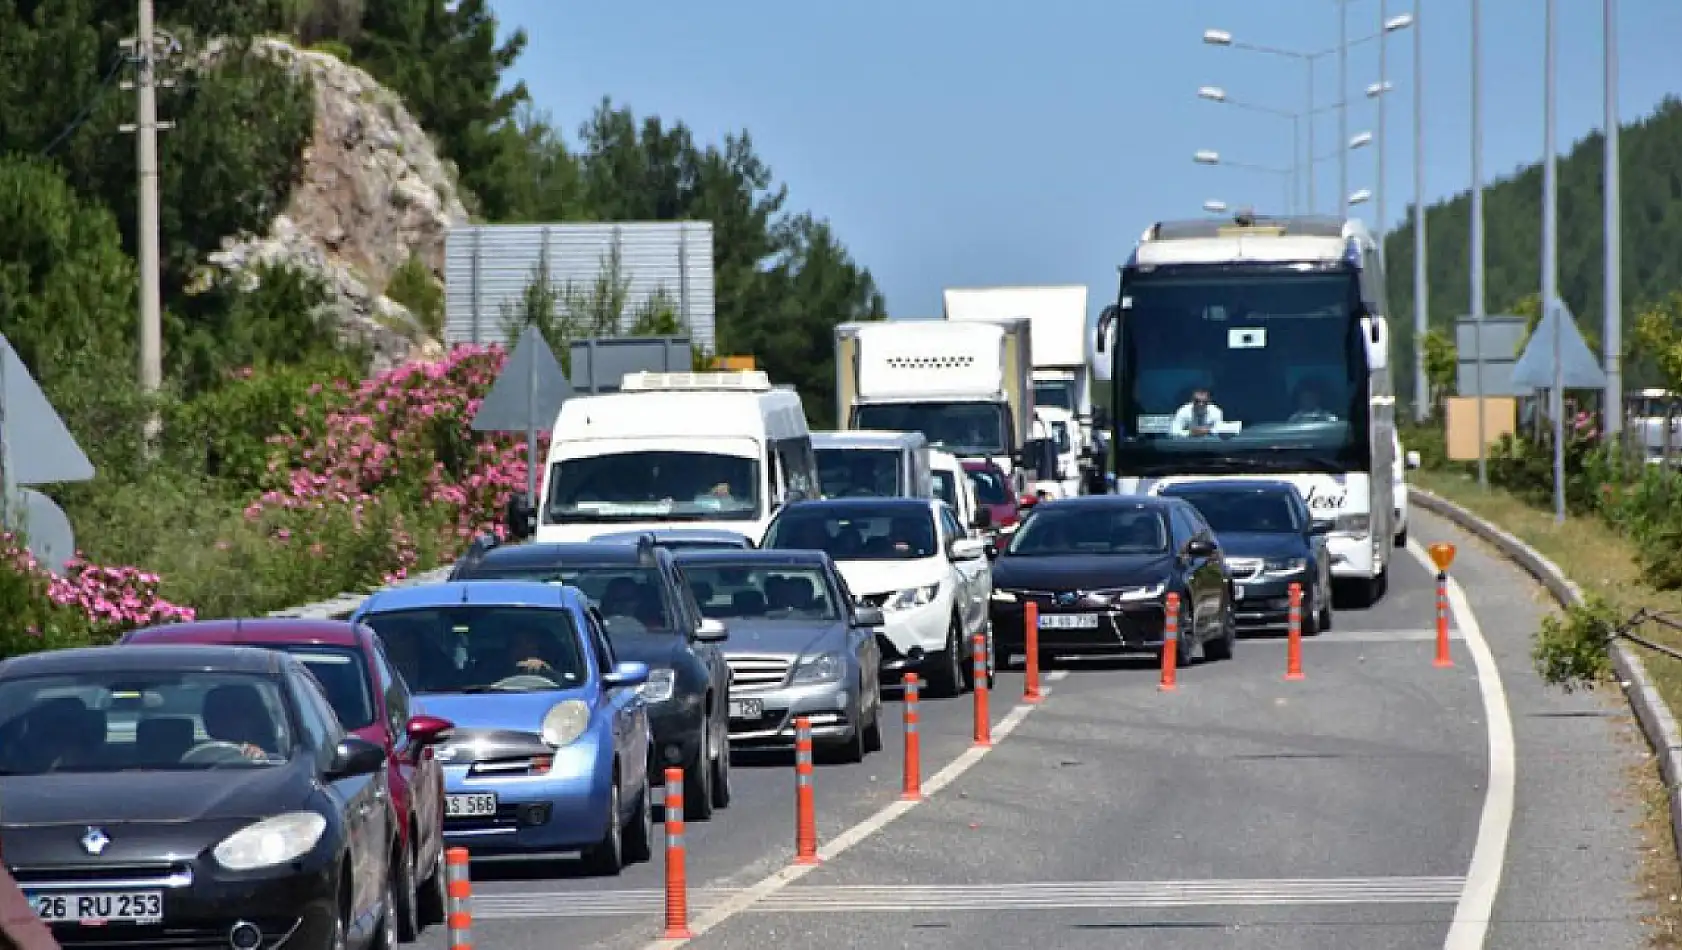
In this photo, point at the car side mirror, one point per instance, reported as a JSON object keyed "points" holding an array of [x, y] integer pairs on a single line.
{"points": [[711, 630], [1319, 528], [965, 549], [628, 673], [427, 730], [864, 615], [991, 550], [983, 519], [355, 756], [520, 518], [1413, 458], [1200, 547]]}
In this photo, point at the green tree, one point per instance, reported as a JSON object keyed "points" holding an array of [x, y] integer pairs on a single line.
{"points": [[1442, 365]]}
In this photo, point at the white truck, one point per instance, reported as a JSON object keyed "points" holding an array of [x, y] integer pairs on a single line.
{"points": [[1062, 372], [965, 386]]}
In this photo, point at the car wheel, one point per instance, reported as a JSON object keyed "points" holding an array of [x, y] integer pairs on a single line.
{"points": [[698, 779], [1402, 539], [433, 898], [405, 897], [1326, 610], [873, 731], [852, 749], [639, 837], [946, 680], [341, 940], [607, 857], [721, 777], [387, 938], [1221, 647]]}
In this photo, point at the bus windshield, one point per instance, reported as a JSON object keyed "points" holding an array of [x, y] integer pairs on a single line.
{"points": [[1259, 363]]}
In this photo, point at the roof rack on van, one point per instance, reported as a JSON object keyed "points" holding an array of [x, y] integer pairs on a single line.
{"points": [[749, 380]]}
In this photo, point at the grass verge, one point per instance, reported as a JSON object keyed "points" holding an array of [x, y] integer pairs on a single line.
{"points": [[1602, 562]]}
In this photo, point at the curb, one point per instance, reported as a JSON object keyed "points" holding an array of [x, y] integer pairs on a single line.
{"points": [[1657, 721], [345, 604]]}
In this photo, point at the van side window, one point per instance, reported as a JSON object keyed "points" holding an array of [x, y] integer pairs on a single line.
{"points": [[799, 465], [774, 475]]}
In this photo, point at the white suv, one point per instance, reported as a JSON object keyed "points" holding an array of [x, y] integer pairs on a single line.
{"points": [[912, 558]]}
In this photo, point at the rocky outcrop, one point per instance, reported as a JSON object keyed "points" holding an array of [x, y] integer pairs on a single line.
{"points": [[373, 192]]}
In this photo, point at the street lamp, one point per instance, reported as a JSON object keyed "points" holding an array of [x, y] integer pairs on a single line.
{"points": [[1206, 157], [1218, 95], [1361, 197], [1360, 140], [1214, 206]]}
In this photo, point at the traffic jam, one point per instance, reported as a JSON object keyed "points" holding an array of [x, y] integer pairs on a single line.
{"points": [[699, 578]]}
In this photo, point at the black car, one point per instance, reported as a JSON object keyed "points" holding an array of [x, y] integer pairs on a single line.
{"points": [[800, 645], [191, 796], [1271, 541], [1100, 568], [650, 617]]}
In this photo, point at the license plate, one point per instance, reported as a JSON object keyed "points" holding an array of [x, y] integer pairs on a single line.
{"points": [[98, 907], [1068, 621], [479, 805], [747, 708]]}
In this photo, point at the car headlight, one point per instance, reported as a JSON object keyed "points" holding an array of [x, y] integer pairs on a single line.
{"points": [[1141, 592], [1352, 524], [915, 597], [565, 722], [1004, 597], [1285, 565], [659, 685], [823, 668], [271, 841]]}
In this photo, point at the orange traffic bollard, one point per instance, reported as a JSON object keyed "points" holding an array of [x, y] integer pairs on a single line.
{"points": [[913, 789], [1293, 641], [805, 814], [677, 868], [1031, 627], [1442, 554], [983, 719], [1170, 643], [459, 890]]}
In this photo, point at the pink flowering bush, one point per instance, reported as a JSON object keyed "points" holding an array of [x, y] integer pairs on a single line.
{"points": [[88, 604]]}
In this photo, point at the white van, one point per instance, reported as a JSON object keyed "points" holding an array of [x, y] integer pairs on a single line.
{"points": [[861, 463], [953, 486], [690, 450]]}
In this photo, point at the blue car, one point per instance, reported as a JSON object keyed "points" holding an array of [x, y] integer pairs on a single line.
{"points": [[552, 743]]}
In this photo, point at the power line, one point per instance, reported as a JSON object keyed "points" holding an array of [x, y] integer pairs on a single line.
{"points": [[86, 113]]}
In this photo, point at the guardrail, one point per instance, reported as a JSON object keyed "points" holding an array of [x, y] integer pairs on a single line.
{"points": [[343, 605]]}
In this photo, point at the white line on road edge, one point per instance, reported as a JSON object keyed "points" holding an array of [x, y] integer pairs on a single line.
{"points": [[749, 896], [1489, 854]]}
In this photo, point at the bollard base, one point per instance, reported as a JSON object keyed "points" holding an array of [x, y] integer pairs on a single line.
{"points": [[1295, 676], [910, 796], [1033, 699], [1442, 664], [808, 861], [678, 933]]}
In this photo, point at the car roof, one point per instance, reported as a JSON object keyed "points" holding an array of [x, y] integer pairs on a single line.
{"points": [[550, 553], [672, 534], [765, 556], [252, 631], [874, 502], [494, 593], [1231, 486], [1158, 502], [981, 465], [145, 658]]}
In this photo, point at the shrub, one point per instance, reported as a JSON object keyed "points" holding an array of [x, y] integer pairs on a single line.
{"points": [[1572, 650], [88, 604]]}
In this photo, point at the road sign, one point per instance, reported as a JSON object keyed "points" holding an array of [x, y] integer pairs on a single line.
{"points": [[28, 419], [47, 530], [1535, 367], [525, 397]]}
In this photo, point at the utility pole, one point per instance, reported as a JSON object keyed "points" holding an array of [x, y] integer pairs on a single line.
{"points": [[1550, 248], [1421, 272], [1477, 234], [144, 54], [1613, 401], [1343, 109], [1380, 141]]}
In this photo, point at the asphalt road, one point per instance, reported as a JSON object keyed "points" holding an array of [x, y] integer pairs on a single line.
{"points": [[1238, 810]]}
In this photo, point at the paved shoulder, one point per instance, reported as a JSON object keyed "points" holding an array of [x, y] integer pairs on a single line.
{"points": [[1574, 849]]}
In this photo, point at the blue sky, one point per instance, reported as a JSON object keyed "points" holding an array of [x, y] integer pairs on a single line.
{"points": [[973, 142]]}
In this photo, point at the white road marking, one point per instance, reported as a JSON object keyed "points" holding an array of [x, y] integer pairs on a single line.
{"points": [[1381, 636], [955, 898], [1489, 854], [745, 899]]}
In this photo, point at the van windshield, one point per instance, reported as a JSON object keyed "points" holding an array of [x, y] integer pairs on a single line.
{"points": [[665, 486], [857, 473]]}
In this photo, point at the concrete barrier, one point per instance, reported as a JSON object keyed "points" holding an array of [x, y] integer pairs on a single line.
{"points": [[343, 605], [1657, 721]]}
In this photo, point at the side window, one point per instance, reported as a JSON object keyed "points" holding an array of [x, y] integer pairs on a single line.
{"points": [[396, 693], [603, 649], [1184, 530], [320, 732], [686, 598], [949, 521], [774, 480], [799, 465]]}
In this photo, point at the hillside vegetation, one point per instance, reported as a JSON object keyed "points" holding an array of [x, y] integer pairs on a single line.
{"points": [[276, 479], [1651, 193]]}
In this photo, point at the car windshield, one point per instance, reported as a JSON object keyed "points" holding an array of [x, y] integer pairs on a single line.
{"points": [[343, 674], [962, 428], [1259, 512], [667, 486], [854, 473], [784, 592], [856, 533], [628, 597], [1084, 529], [142, 721], [1054, 395], [946, 488], [469, 648], [990, 487]]}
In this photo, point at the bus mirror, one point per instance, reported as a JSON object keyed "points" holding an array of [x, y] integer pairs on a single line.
{"points": [[1106, 320], [1375, 335]]}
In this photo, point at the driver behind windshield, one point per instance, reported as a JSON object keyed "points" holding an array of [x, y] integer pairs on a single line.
{"points": [[237, 715]]}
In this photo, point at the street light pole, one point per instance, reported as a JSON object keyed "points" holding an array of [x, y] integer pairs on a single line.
{"points": [[1421, 274], [1477, 233], [1550, 250], [1383, 93], [1343, 105], [1613, 399], [1312, 167]]}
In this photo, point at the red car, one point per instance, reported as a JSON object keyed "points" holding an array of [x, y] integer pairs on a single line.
{"points": [[992, 490], [372, 701]]}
